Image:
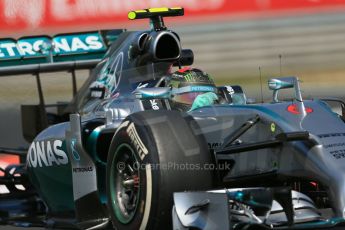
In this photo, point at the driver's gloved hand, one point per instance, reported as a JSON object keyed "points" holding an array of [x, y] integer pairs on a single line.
{"points": [[204, 99]]}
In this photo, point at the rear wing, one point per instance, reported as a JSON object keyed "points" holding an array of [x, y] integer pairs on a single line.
{"points": [[61, 52], [42, 54]]}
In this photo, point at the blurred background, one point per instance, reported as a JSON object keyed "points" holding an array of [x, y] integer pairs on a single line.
{"points": [[231, 39]]}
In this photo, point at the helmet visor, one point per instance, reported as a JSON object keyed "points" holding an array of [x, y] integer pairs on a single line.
{"points": [[186, 98], [187, 94]]}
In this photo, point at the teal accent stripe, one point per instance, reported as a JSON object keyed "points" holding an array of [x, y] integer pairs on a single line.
{"points": [[92, 145]]}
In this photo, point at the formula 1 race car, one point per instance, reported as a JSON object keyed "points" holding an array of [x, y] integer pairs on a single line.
{"points": [[120, 155]]}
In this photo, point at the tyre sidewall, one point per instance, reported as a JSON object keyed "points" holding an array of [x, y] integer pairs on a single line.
{"points": [[166, 137], [147, 176]]}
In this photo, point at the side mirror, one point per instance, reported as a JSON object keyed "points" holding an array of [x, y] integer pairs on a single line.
{"points": [[277, 84], [153, 93]]}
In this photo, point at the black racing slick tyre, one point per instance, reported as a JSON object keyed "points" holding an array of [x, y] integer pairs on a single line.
{"points": [[152, 155]]}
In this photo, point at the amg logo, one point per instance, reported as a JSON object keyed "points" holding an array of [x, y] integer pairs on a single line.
{"points": [[139, 145], [46, 153]]}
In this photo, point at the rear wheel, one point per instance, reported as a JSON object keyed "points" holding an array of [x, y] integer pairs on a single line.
{"points": [[152, 155]]}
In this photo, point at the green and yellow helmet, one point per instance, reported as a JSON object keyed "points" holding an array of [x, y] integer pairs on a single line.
{"points": [[187, 84]]}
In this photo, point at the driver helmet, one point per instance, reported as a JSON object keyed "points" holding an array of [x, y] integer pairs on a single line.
{"points": [[187, 84]]}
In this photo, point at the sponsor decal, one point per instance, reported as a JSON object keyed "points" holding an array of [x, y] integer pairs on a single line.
{"points": [[46, 154], [200, 88], [230, 90], [19, 15], [82, 169], [75, 153], [214, 145], [328, 135], [273, 127], [59, 45], [334, 145], [141, 85], [144, 84], [294, 109], [76, 43], [191, 77], [97, 92], [139, 145], [196, 77], [338, 154], [335, 149], [122, 125], [154, 104]]}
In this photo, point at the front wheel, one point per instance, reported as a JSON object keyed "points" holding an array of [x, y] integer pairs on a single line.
{"points": [[152, 155]]}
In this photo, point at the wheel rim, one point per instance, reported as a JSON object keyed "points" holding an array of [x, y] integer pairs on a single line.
{"points": [[124, 183]]}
